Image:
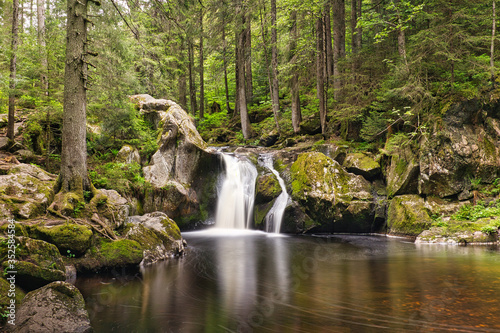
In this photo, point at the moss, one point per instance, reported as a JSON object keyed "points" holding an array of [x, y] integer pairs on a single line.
{"points": [[67, 237], [401, 166], [121, 252], [267, 188], [407, 215], [5, 300], [489, 148], [172, 229]]}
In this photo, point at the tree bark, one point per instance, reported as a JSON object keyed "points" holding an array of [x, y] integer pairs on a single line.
{"points": [[192, 87], [339, 44], [13, 67], [294, 81], [248, 60], [240, 63], [202, 70], [274, 66], [328, 40], [320, 80], [44, 81], [73, 175], [492, 49]]}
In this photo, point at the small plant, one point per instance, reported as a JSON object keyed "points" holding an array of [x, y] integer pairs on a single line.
{"points": [[489, 229], [69, 254], [78, 209]]}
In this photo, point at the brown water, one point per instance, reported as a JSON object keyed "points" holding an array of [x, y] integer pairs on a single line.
{"points": [[343, 283]]}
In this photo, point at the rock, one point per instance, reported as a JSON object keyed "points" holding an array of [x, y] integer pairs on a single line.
{"points": [[462, 150], [4, 120], [336, 200], [296, 221], [128, 155], [458, 232], [112, 208], [267, 188], [70, 238], [38, 263], [25, 191], [4, 142], [57, 307], [158, 235], [402, 173], [310, 126], [407, 215], [147, 102], [109, 255], [361, 164], [7, 287], [183, 171], [269, 139]]}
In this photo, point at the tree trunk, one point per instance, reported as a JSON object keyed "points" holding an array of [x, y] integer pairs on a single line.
{"points": [[294, 81], [13, 67], [73, 175], [402, 47], [320, 80], [192, 88], [339, 44], [202, 70], [44, 81], [328, 41], [224, 60], [492, 50], [274, 66], [240, 63], [248, 60]]}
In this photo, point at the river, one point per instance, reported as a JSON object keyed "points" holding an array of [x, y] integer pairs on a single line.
{"points": [[244, 281]]}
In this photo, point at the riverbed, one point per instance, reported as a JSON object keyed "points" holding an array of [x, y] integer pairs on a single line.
{"points": [[256, 282]]}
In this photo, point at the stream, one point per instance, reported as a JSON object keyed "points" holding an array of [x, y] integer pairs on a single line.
{"points": [[250, 281]]}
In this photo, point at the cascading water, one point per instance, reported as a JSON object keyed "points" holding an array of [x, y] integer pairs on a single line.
{"points": [[275, 215], [237, 193]]}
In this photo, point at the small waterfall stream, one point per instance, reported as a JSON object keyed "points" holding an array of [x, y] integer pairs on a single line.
{"points": [[237, 193], [275, 215]]}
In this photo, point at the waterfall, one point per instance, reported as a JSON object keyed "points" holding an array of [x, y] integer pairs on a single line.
{"points": [[275, 214], [237, 193]]}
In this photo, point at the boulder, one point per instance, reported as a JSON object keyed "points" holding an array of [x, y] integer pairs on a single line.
{"points": [[4, 142], [38, 263], [6, 290], [408, 215], [111, 207], [70, 238], [267, 188], [269, 139], [57, 307], [158, 235], [184, 170], [361, 164], [25, 191], [336, 200], [128, 155], [108, 255], [296, 221], [467, 147], [402, 173]]}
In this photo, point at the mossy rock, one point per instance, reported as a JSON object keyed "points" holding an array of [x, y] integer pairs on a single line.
{"points": [[402, 173], [267, 188], [326, 191], [38, 262], [260, 212], [69, 237], [362, 164], [408, 215], [296, 221], [109, 255]]}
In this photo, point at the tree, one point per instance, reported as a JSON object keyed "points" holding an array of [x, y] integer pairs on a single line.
{"points": [[202, 70], [492, 48], [274, 66], [13, 67], [294, 80], [44, 80], [339, 43], [240, 69], [320, 72], [73, 178]]}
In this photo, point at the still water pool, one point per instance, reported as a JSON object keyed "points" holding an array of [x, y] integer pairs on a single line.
{"points": [[253, 282]]}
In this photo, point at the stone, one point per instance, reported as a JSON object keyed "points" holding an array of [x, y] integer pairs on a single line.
{"points": [[403, 172], [113, 209], [361, 164], [158, 235], [336, 200], [25, 155], [267, 188], [408, 215], [128, 155], [269, 139], [57, 307], [25, 191], [70, 238], [38, 263], [296, 221], [4, 142]]}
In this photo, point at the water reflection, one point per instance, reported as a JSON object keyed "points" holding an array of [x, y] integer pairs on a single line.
{"points": [[255, 283]]}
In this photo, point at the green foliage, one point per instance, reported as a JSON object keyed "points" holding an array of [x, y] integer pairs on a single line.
{"points": [[125, 178], [473, 213]]}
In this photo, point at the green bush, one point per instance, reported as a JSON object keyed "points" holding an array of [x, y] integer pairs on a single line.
{"points": [[125, 178]]}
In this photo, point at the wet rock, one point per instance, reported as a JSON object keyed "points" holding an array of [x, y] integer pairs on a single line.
{"points": [[296, 221], [38, 263], [335, 199], [57, 307], [402, 173], [158, 235], [361, 164], [267, 188], [70, 238], [25, 191], [408, 215]]}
